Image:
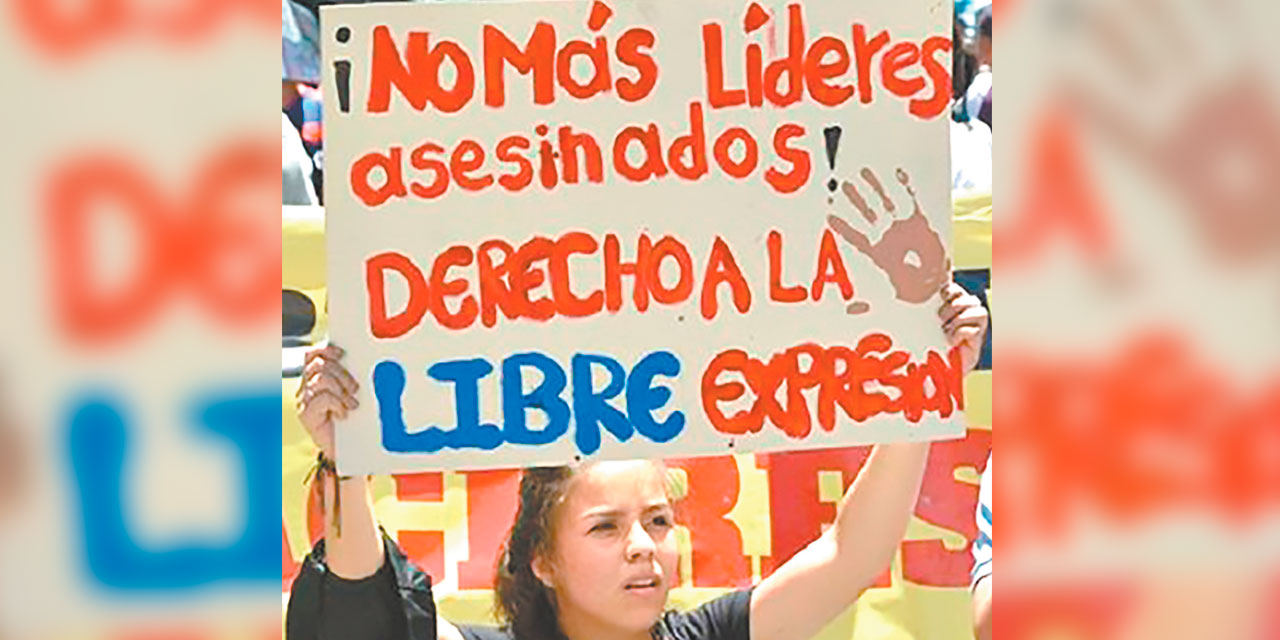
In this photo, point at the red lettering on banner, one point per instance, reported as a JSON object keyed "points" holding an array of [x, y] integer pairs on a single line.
{"points": [[576, 243], [777, 291], [940, 76], [635, 154], [506, 278], [416, 76], [818, 73], [650, 143], [1060, 197], [714, 490], [798, 176], [829, 71], [792, 65], [467, 157], [492, 501], [945, 502], [695, 143], [831, 270], [793, 491], [64, 30], [722, 268], [537, 57], [837, 385], [1096, 608], [615, 268], [523, 176], [1217, 442], [948, 503], [820, 70], [669, 247], [899, 57], [722, 150], [525, 278], [494, 293], [634, 49], [424, 547], [393, 179], [598, 54], [570, 143], [713, 61], [442, 288], [551, 66], [180, 243], [376, 268], [863, 51]]}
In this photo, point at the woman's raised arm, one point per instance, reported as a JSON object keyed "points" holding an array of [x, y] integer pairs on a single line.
{"points": [[353, 542], [826, 577]]}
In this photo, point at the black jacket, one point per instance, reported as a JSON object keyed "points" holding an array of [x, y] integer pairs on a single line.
{"points": [[323, 606]]}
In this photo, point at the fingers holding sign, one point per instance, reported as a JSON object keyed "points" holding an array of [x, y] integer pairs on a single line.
{"points": [[964, 321], [322, 364], [326, 394]]}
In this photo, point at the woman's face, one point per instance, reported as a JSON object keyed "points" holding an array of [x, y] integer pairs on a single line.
{"points": [[614, 555]]}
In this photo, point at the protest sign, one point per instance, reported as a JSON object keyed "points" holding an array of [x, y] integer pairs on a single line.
{"points": [[563, 231]]}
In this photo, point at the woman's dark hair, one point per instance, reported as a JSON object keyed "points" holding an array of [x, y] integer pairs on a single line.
{"points": [[524, 604]]}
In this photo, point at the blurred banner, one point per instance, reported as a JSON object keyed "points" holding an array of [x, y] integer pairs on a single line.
{"points": [[740, 516], [140, 247], [1139, 261]]}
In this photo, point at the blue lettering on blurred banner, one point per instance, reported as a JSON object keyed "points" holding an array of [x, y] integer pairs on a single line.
{"points": [[99, 440]]}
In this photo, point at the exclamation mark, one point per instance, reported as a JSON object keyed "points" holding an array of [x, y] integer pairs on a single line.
{"points": [[342, 72], [832, 136]]}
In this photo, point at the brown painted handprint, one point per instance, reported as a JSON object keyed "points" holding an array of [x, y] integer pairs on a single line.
{"points": [[1218, 147], [909, 251]]}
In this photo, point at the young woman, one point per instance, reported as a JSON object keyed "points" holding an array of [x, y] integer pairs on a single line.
{"points": [[592, 554]]}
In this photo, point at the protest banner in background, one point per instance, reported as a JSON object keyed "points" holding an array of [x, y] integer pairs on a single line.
{"points": [[570, 230]]}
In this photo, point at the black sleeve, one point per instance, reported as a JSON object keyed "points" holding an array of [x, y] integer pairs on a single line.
{"points": [[393, 604], [725, 618]]}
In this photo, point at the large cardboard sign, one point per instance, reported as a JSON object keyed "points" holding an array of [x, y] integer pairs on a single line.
{"points": [[573, 230]]}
